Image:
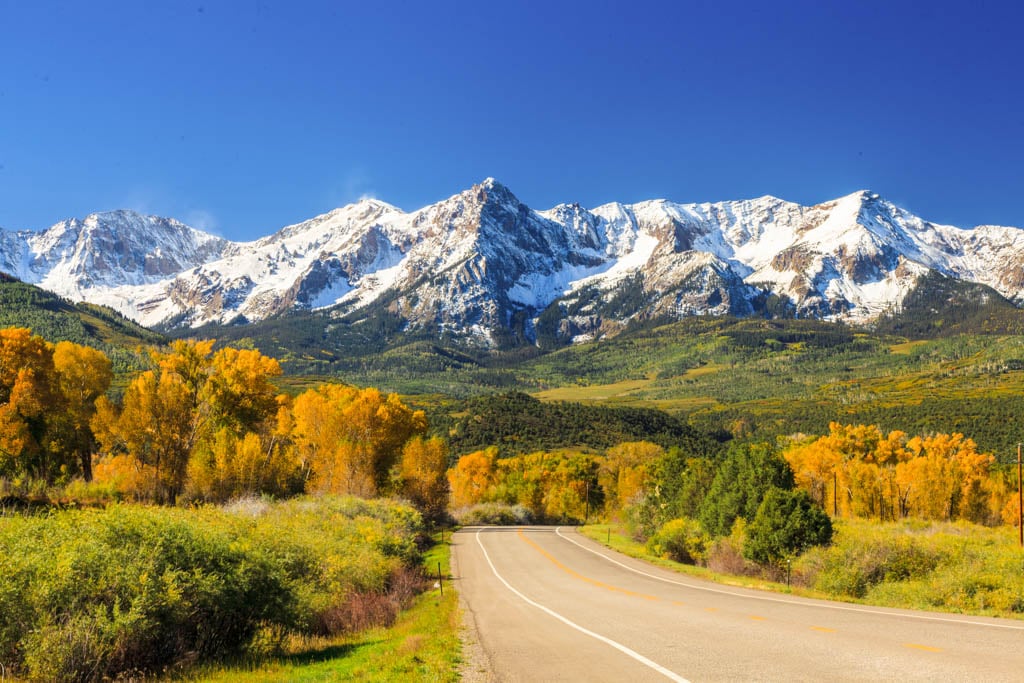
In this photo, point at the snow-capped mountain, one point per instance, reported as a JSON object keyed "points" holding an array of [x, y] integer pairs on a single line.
{"points": [[483, 264]]}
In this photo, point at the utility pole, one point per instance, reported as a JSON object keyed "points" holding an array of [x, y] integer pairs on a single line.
{"points": [[1020, 502], [587, 495], [835, 495]]}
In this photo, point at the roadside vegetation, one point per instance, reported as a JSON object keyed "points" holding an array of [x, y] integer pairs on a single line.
{"points": [[289, 530], [945, 566], [100, 594], [190, 512], [421, 645], [855, 514]]}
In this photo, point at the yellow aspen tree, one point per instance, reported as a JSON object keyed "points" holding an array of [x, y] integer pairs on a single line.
{"points": [[931, 477], [423, 468], [83, 375], [156, 426], [315, 430], [815, 468], [240, 389], [14, 440], [35, 408], [623, 474], [472, 476]]}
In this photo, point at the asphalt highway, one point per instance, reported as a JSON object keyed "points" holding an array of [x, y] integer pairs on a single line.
{"points": [[547, 604]]}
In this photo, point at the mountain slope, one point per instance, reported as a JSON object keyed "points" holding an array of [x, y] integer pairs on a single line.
{"points": [[56, 319], [483, 266]]}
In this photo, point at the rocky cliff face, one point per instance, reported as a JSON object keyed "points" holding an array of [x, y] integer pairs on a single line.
{"points": [[483, 265]]}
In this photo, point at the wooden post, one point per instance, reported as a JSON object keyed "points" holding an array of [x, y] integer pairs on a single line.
{"points": [[1020, 502], [439, 583], [835, 495]]}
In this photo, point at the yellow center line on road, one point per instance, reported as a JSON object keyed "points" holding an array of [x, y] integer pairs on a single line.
{"points": [[581, 577], [926, 648], [823, 629], [754, 617]]}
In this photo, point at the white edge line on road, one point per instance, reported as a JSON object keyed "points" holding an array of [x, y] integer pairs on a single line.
{"points": [[819, 605], [608, 641]]}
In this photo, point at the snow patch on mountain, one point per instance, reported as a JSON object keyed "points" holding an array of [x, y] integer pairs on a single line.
{"points": [[482, 263]]}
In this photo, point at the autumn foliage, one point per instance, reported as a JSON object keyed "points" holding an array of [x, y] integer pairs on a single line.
{"points": [[47, 398], [205, 425], [857, 471]]}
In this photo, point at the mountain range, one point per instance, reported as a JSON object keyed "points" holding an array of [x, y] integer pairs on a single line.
{"points": [[483, 266]]}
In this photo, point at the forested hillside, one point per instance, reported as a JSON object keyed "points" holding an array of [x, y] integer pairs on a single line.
{"points": [[56, 319], [517, 423]]}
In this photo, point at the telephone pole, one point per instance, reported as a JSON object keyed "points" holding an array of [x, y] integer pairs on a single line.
{"points": [[1020, 502]]}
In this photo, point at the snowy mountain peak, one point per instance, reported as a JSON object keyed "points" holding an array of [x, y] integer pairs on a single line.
{"points": [[484, 265]]}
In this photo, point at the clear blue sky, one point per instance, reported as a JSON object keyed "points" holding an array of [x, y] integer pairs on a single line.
{"points": [[242, 117]]}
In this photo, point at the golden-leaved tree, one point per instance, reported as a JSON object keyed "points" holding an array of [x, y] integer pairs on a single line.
{"points": [[83, 375], [856, 470], [198, 418], [348, 440], [26, 395], [47, 398], [946, 478], [422, 474], [624, 474], [240, 451], [472, 477], [156, 427]]}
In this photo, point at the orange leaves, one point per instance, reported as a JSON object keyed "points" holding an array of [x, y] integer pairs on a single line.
{"points": [[155, 427], [942, 476], [349, 439], [211, 424], [624, 473], [422, 472], [83, 375], [946, 478], [552, 485], [239, 387], [230, 467], [472, 476]]}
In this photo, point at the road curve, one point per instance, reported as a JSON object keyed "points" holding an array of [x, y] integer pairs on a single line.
{"points": [[547, 604]]}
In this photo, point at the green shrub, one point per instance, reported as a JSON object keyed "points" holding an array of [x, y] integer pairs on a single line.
{"points": [[866, 555], [786, 522], [93, 595], [682, 540]]}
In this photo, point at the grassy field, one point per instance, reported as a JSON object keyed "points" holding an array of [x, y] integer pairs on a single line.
{"points": [[422, 645]]}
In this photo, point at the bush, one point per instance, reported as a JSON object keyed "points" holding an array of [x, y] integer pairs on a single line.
{"points": [[682, 540], [93, 595], [726, 553], [865, 559], [640, 515], [500, 514], [786, 522]]}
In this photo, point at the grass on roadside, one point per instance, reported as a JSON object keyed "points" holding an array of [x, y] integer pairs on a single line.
{"points": [[422, 645], [619, 540], [941, 566]]}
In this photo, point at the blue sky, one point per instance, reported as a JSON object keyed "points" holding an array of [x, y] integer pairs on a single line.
{"points": [[244, 117]]}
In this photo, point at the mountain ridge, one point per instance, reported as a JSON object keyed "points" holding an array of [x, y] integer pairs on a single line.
{"points": [[484, 266]]}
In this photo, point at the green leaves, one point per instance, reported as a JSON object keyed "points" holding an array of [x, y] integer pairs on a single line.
{"points": [[89, 595], [744, 477], [786, 523]]}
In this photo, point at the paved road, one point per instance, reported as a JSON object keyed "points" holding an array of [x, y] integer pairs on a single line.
{"points": [[548, 604]]}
